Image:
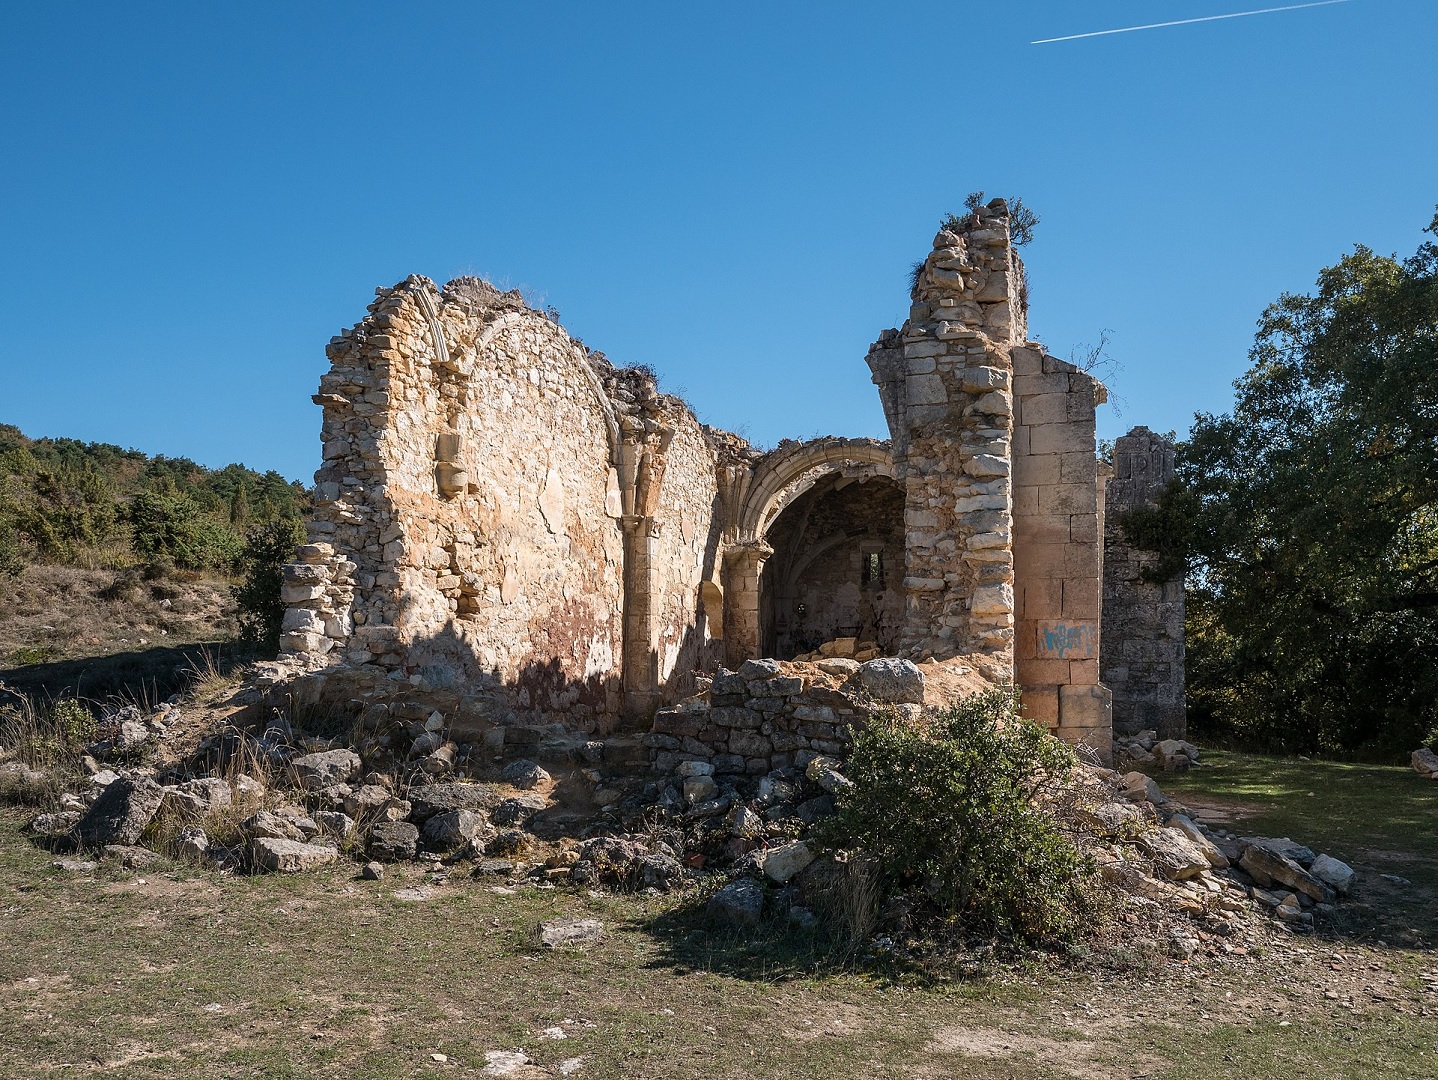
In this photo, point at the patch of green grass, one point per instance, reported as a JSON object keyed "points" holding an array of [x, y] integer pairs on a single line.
{"points": [[1380, 819], [1345, 809]]}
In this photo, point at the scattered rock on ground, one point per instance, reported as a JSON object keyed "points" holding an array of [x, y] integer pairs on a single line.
{"points": [[524, 774], [121, 814], [569, 933], [315, 771], [893, 680], [1332, 872], [781, 863], [393, 841], [741, 902], [290, 856]]}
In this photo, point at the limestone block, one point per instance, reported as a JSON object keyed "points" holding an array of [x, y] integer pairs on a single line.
{"points": [[992, 600], [1086, 707], [995, 403], [1038, 409], [924, 390], [302, 620], [1060, 439], [982, 379], [987, 465]]}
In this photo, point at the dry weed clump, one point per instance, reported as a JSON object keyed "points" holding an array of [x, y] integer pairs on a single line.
{"points": [[41, 747]]}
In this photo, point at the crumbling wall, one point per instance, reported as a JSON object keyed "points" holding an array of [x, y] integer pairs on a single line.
{"points": [[945, 379], [491, 502], [1141, 656], [1056, 547]]}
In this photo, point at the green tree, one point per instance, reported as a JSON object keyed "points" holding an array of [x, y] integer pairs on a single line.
{"points": [[1310, 517], [267, 548]]}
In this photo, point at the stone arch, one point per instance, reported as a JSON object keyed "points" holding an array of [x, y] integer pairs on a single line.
{"points": [[786, 473]]}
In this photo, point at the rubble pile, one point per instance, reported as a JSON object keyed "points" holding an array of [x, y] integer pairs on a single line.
{"points": [[724, 794]]}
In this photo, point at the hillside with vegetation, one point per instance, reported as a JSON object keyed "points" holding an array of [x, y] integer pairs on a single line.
{"points": [[108, 552]]}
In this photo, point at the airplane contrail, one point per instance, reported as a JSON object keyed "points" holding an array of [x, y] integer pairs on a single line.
{"points": [[1185, 22]]}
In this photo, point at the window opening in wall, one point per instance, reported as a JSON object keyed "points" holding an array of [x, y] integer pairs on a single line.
{"points": [[873, 570]]}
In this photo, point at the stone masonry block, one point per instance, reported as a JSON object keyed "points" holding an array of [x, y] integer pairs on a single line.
{"points": [[1040, 528], [1068, 499], [1028, 361], [1083, 672], [1037, 469], [1085, 707], [1081, 598], [1041, 705], [1039, 409], [1060, 439], [1083, 528]]}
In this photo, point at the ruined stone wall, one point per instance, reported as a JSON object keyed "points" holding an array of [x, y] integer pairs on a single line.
{"points": [[1141, 656], [497, 502], [945, 379], [766, 716], [1056, 547]]}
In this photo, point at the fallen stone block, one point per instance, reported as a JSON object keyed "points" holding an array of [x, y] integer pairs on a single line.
{"points": [[1267, 867], [1174, 855], [570, 933], [741, 903], [393, 841], [289, 856], [322, 770], [1332, 872], [121, 814], [781, 863], [893, 680]]}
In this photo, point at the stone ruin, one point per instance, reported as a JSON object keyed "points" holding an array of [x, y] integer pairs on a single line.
{"points": [[515, 533]]}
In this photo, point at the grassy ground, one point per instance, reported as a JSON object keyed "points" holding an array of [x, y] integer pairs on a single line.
{"points": [[179, 973], [1379, 819]]}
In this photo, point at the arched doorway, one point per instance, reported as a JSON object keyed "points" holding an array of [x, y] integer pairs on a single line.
{"points": [[838, 567]]}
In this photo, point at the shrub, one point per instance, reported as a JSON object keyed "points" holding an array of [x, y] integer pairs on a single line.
{"points": [[267, 548], [959, 815]]}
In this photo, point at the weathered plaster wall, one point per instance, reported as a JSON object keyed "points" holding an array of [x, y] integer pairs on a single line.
{"points": [[1141, 656], [508, 500]]}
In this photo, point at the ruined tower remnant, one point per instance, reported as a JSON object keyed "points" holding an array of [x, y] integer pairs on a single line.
{"points": [[513, 531], [1142, 659]]}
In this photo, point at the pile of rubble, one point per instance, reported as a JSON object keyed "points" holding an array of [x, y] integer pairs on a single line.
{"points": [[847, 648], [726, 791], [1147, 751]]}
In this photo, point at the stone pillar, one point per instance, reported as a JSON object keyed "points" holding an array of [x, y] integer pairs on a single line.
{"points": [[743, 564], [640, 667], [1057, 549], [945, 380], [1142, 657]]}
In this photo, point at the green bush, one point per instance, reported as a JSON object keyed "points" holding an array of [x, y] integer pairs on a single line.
{"points": [[168, 525], [961, 816], [267, 548]]}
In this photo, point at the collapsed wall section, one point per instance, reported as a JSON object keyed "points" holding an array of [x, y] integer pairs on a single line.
{"points": [[1141, 658]]}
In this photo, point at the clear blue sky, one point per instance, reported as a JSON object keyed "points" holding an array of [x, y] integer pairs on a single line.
{"points": [[195, 197]]}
